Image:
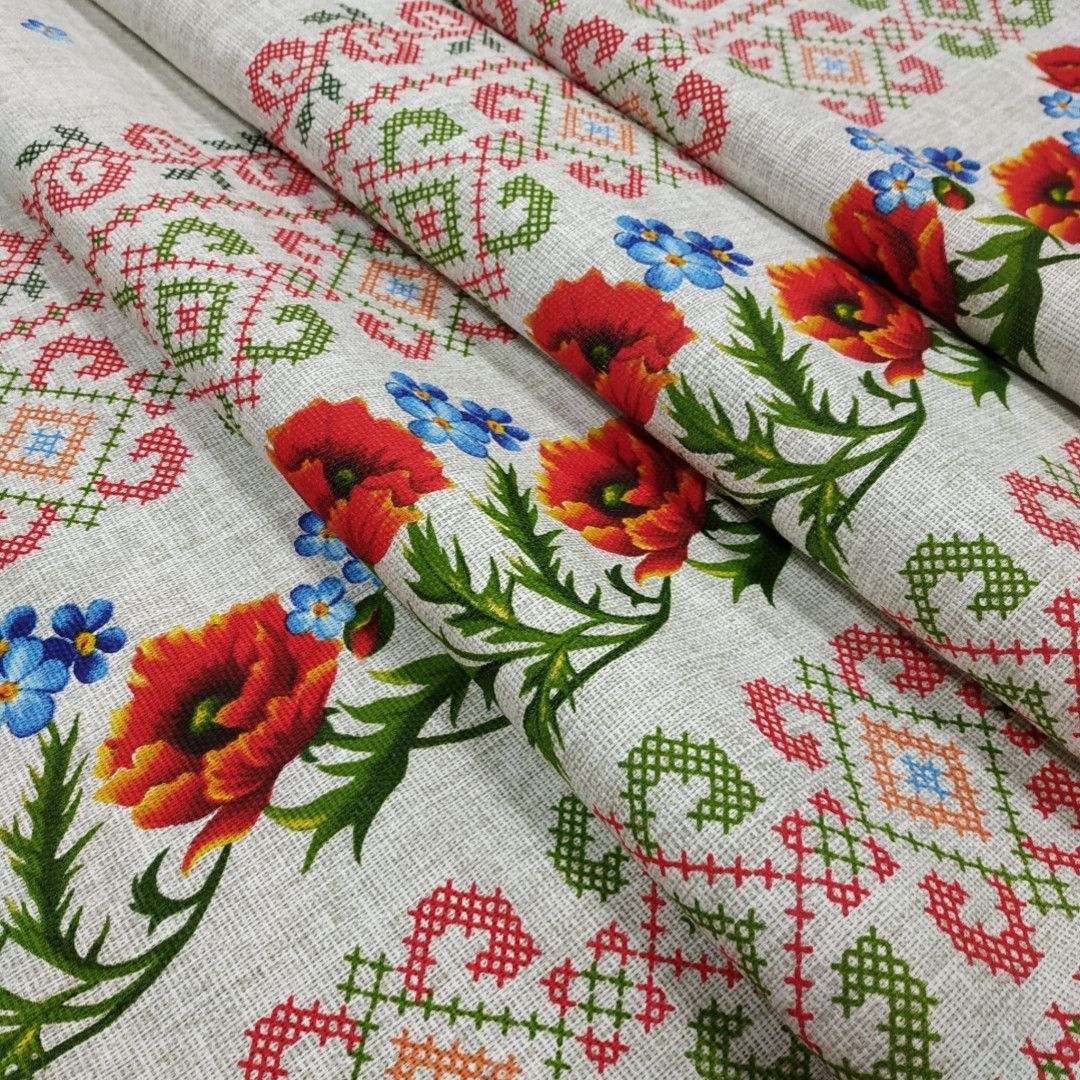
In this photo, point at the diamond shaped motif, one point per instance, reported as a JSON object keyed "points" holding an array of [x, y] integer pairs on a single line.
{"points": [[591, 127], [410, 288], [189, 317], [835, 64], [926, 779], [43, 443]]}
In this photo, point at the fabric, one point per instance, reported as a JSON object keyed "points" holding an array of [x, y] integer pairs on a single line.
{"points": [[540, 539]]}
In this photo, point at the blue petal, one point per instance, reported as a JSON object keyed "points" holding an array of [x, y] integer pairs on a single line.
{"points": [[68, 620], [98, 613], [89, 669], [299, 622], [330, 590], [464, 441], [428, 431], [356, 572], [59, 648], [326, 628], [334, 549], [23, 655], [50, 676], [887, 201], [445, 411], [111, 639], [18, 622], [664, 277], [311, 523], [28, 713], [624, 221], [406, 380], [648, 253], [880, 180], [308, 545], [703, 271], [415, 407], [303, 596], [343, 611]]}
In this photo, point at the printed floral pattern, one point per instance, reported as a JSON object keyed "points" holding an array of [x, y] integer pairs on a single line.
{"points": [[361, 475], [625, 495], [215, 714], [619, 339]]}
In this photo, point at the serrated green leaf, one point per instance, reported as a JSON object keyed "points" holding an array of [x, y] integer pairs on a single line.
{"points": [[760, 554]]}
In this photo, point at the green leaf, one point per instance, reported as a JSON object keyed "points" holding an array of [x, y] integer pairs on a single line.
{"points": [[444, 577], [148, 899], [982, 372], [538, 568], [304, 119], [1017, 280], [760, 554], [389, 728], [43, 856]]}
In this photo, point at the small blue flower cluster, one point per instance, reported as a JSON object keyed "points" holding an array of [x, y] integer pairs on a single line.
{"points": [[468, 426], [33, 669], [316, 539], [903, 181], [53, 33], [672, 259], [1061, 105]]}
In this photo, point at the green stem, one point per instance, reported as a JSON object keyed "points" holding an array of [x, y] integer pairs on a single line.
{"points": [[1051, 259], [895, 449], [158, 959], [497, 723]]}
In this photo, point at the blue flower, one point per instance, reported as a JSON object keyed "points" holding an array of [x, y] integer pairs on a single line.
{"points": [[899, 184], [320, 609], [1060, 103], [499, 422], [316, 539], [84, 639], [865, 139], [650, 230], [54, 33], [951, 163], [437, 421], [28, 679], [19, 622], [720, 248], [671, 261], [360, 573], [1072, 138]]}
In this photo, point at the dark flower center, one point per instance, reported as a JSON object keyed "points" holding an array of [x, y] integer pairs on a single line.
{"points": [[1058, 194], [612, 498], [203, 731], [342, 478], [599, 351]]}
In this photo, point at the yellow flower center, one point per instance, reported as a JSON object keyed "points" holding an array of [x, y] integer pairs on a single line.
{"points": [[423, 395], [444, 424], [4, 646], [723, 256], [320, 609], [900, 185], [496, 426], [676, 260], [649, 234], [8, 691], [954, 165], [325, 533], [85, 643]]}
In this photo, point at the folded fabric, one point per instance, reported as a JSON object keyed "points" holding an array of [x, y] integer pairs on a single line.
{"points": [[819, 399], [857, 863], [888, 172]]}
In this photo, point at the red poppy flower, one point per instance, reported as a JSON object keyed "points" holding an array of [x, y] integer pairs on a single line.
{"points": [[905, 246], [361, 475], [827, 299], [625, 494], [1043, 184], [616, 338], [215, 715], [1060, 66]]}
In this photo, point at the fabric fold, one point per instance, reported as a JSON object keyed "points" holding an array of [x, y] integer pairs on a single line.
{"points": [[818, 796], [824, 115], [822, 401]]}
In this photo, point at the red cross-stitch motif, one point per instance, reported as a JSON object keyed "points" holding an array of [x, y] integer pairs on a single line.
{"points": [[271, 1035], [510, 948]]}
